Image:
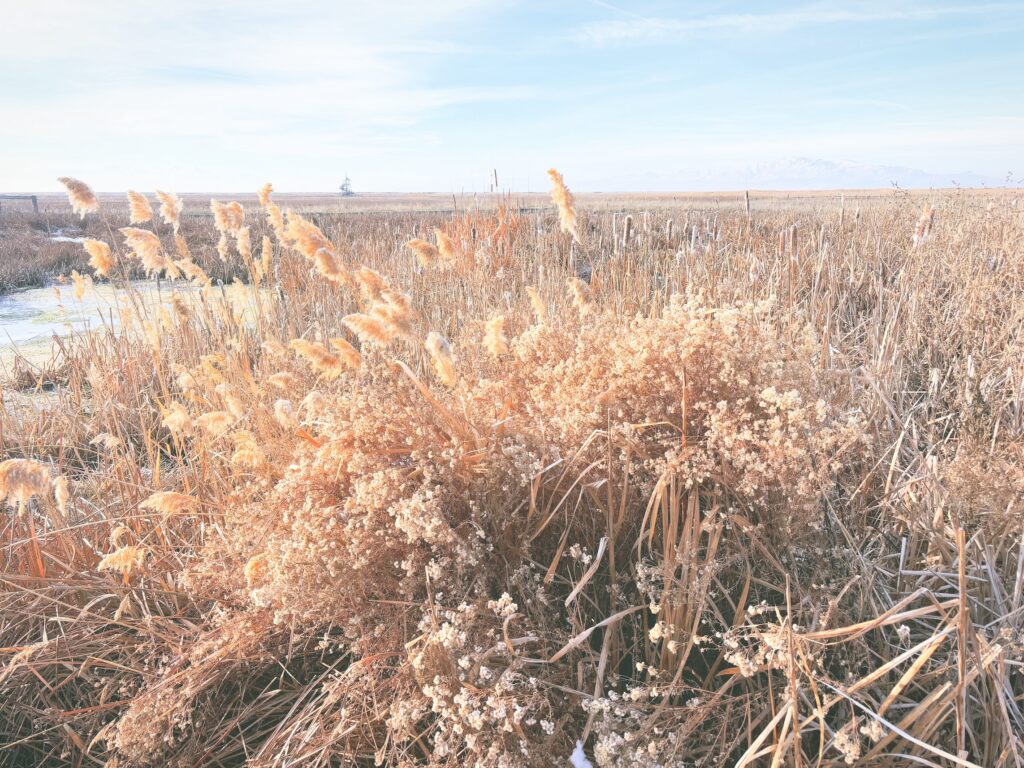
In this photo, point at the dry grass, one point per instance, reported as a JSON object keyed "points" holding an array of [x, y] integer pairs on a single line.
{"points": [[706, 489]]}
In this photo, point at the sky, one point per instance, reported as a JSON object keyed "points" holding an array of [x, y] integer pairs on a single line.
{"points": [[418, 95]]}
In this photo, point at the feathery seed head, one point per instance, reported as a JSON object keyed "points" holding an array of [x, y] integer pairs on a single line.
{"points": [[565, 202], [100, 258], [441, 355], [82, 198], [139, 209], [494, 337]]}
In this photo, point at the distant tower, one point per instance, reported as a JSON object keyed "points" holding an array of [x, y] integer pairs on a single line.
{"points": [[346, 187]]}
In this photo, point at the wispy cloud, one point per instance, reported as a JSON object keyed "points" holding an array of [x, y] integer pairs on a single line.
{"points": [[640, 29]]}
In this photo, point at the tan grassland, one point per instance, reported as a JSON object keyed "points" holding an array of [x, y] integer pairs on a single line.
{"points": [[655, 480]]}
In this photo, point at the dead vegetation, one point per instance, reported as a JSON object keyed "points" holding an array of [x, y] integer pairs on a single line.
{"points": [[687, 487]]}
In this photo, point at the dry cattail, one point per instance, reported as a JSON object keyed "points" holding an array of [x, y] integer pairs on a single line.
{"points": [[264, 194], [82, 198], [494, 336], [123, 560], [170, 208], [368, 329], [426, 253], [139, 209], [169, 503], [566, 204], [441, 355], [21, 479], [100, 258]]}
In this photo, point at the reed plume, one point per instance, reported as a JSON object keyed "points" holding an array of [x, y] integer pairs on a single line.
{"points": [[284, 380], [580, 295], [170, 208], [228, 218], [327, 265], [494, 336], [21, 479], [169, 503], [100, 258], [372, 283], [193, 271], [139, 209], [81, 197], [266, 254], [441, 356], [539, 310], [306, 237], [81, 283], [395, 311], [349, 354], [264, 194], [368, 329], [445, 247], [276, 219], [565, 202], [147, 248], [426, 253], [924, 225], [123, 560], [177, 419], [320, 359], [214, 423], [243, 244]]}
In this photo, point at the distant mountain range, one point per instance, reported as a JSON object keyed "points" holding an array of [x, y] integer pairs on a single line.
{"points": [[799, 173]]}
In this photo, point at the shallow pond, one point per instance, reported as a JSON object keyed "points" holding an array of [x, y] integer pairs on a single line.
{"points": [[30, 319]]}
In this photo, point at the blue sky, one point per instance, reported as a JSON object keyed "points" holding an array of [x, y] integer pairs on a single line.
{"points": [[412, 96]]}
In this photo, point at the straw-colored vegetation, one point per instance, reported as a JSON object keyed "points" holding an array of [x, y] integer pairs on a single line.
{"points": [[701, 486]]}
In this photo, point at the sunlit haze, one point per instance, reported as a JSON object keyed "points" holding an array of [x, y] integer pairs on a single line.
{"points": [[415, 96]]}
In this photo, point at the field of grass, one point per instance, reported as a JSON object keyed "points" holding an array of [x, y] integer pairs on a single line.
{"points": [[665, 481]]}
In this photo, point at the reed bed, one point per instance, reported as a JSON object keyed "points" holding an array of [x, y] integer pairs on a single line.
{"points": [[671, 487]]}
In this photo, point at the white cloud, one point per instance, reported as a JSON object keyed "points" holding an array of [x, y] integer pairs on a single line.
{"points": [[639, 29], [303, 78]]}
